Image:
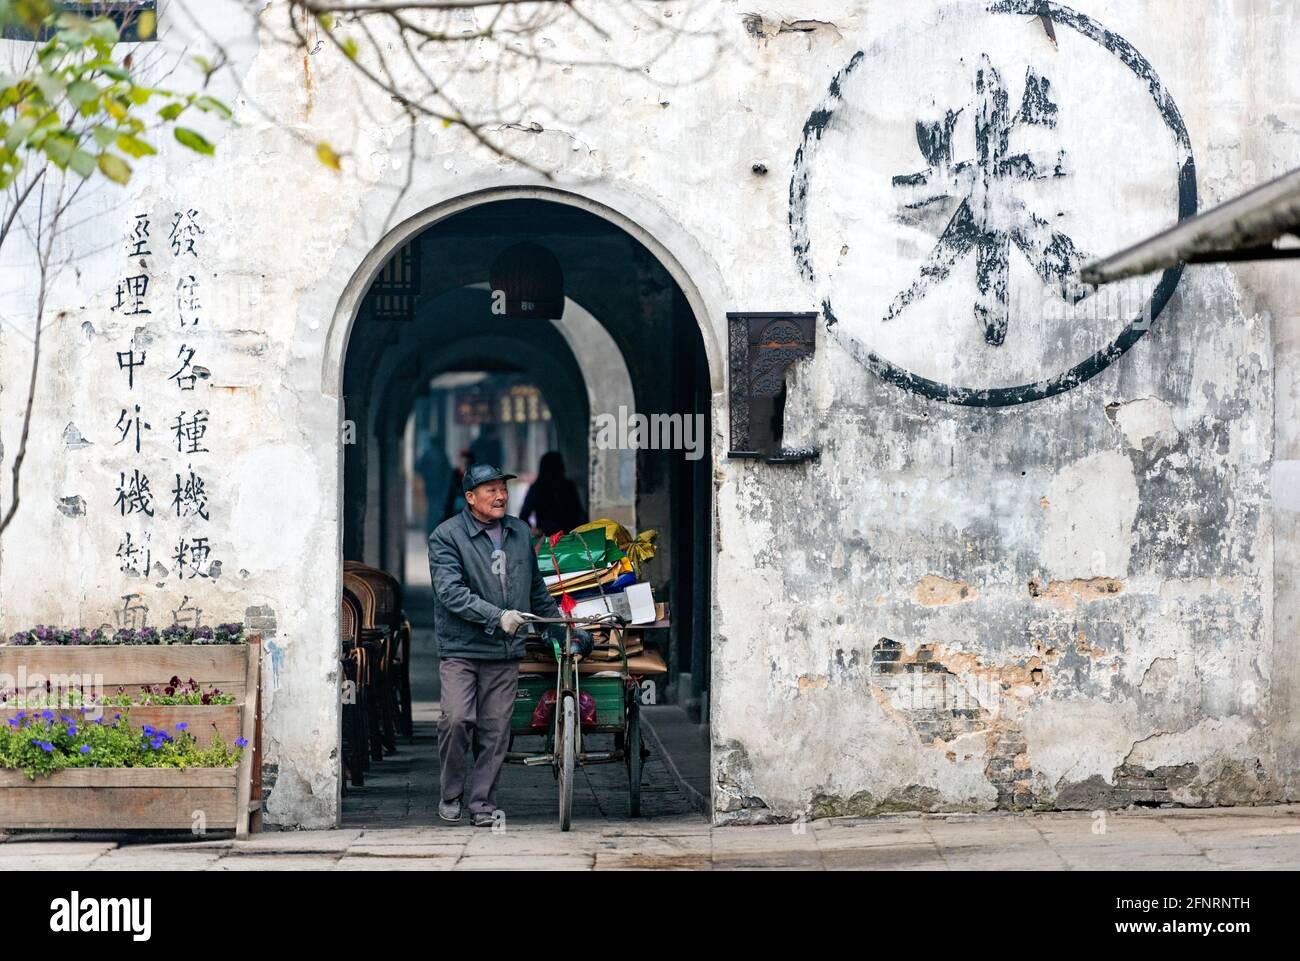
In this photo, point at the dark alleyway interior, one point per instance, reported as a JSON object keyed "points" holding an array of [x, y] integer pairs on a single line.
{"points": [[436, 377]]}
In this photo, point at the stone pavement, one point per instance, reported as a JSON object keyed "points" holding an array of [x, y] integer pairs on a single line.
{"points": [[1192, 840]]}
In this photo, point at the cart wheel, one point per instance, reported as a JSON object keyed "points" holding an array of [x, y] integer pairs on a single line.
{"points": [[568, 748], [633, 758]]}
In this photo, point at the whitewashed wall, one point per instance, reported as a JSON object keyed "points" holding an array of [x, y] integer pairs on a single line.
{"points": [[1093, 575]]}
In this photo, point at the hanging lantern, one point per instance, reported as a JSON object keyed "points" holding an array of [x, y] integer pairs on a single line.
{"points": [[527, 283]]}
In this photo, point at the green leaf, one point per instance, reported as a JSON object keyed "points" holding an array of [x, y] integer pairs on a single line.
{"points": [[103, 135], [103, 28], [350, 48], [134, 146], [110, 69], [20, 131], [82, 92], [51, 86], [82, 163], [212, 105], [171, 111], [326, 155], [114, 168], [146, 24], [59, 148], [194, 140]]}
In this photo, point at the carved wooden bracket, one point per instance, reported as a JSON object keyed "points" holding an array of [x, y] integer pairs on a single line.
{"points": [[761, 346]]}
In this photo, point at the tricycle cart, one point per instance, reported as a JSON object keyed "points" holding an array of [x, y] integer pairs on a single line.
{"points": [[611, 684]]}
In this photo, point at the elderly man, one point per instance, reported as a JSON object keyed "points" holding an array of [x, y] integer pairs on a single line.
{"points": [[485, 580]]}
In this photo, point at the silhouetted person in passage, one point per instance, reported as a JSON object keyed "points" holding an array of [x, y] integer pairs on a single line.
{"points": [[455, 499], [435, 471], [552, 503]]}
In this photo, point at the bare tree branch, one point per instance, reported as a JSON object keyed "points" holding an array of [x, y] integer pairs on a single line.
{"points": [[392, 6]]}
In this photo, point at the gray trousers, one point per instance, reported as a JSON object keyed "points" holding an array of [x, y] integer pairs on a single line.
{"points": [[477, 700]]}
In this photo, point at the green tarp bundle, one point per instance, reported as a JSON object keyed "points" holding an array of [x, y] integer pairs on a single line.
{"points": [[576, 552]]}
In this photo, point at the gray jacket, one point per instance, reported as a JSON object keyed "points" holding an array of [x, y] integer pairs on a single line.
{"points": [[467, 592]]}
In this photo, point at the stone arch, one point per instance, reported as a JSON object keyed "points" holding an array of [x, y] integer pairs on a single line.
{"points": [[694, 273]]}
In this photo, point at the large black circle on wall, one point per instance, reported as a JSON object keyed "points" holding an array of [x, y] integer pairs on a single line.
{"points": [[823, 118]]}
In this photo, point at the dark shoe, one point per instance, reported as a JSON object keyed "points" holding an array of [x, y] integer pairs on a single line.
{"points": [[483, 819], [449, 810]]}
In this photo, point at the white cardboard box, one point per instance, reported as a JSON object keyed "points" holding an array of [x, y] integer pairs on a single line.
{"points": [[636, 603]]}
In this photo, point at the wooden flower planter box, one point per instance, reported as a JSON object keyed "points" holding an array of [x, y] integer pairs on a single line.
{"points": [[145, 798]]}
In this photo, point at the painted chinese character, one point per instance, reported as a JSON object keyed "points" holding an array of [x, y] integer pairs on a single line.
{"points": [[134, 495], [183, 380], [187, 300], [135, 558], [191, 555], [126, 360], [185, 230], [189, 497], [138, 240], [131, 293], [133, 613], [190, 432], [991, 216], [187, 614], [128, 423]]}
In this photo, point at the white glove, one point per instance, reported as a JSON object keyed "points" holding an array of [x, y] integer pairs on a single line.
{"points": [[511, 621]]}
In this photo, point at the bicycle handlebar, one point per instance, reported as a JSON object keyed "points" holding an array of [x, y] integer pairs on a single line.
{"points": [[600, 620]]}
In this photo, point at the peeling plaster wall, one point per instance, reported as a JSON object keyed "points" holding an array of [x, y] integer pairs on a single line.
{"points": [[1066, 602]]}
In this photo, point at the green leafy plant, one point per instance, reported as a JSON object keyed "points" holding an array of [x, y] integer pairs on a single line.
{"points": [[77, 107], [42, 742], [173, 694]]}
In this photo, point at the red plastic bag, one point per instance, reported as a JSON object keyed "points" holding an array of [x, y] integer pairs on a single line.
{"points": [[545, 709]]}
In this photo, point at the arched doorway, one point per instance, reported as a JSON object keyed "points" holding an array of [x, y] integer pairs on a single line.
{"points": [[426, 311]]}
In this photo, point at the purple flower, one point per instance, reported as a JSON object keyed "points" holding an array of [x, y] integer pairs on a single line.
{"points": [[182, 726], [13, 722], [241, 741], [148, 730], [45, 746], [47, 715], [72, 730], [85, 749], [157, 742]]}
